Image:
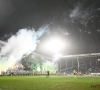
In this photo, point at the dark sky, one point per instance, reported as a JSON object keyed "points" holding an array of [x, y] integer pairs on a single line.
{"points": [[76, 21]]}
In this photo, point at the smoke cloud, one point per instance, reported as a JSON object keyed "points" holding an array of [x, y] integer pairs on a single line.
{"points": [[80, 15], [22, 43], [83, 13]]}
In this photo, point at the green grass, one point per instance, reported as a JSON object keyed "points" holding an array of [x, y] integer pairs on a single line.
{"points": [[50, 83]]}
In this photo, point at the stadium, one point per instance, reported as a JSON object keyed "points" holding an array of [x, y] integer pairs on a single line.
{"points": [[49, 44], [86, 64], [29, 75]]}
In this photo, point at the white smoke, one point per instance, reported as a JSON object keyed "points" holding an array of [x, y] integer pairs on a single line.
{"points": [[74, 12], [83, 14], [23, 43]]}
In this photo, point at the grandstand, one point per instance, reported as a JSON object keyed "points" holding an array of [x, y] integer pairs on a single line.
{"points": [[85, 63]]}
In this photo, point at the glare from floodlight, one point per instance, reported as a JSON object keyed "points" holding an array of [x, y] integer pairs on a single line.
{"points": [[98, 59], [57, 56], [55, 45]]}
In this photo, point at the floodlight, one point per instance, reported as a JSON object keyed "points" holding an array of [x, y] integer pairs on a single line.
{"points": [[55, 45]]}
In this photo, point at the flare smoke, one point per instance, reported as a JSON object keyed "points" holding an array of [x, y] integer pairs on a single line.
{"points": [[23, 43]]}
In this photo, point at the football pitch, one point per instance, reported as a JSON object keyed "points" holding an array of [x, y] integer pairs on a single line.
{"points": [[49, 83]]}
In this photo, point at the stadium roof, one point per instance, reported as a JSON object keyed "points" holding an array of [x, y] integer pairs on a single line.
{"points": [[82, 55]]}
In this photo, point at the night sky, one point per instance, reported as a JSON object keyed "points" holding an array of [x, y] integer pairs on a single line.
{"points": [[75, 21]]}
